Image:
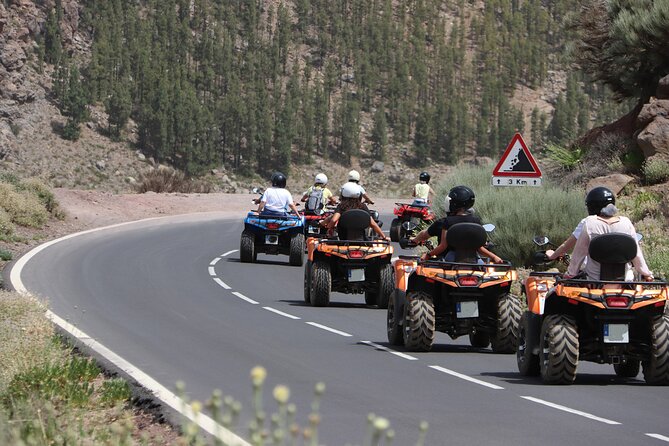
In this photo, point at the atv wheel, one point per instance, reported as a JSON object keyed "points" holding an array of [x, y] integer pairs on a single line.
{"points": [[307, 282], [479, 339], [508, 318], [656, 368], [393, 324], [321, 280], [627, 369], [419, 322], [296, 257], [559, 349], [395, 226], [386, 285], [528, 363], [247, 247]]}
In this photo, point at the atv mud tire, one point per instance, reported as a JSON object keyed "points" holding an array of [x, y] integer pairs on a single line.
{"points": [[386, 285], [528, 363], [628, 369], [247, 248], [296, 257], [307, 282], [558, 354], [393, 326], [321, 283], [656, 367], [419, 322], [479, 339], [508, 318], [395, 226]]}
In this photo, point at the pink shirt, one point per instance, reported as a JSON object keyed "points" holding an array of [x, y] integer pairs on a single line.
{"points": [[595, 225]]}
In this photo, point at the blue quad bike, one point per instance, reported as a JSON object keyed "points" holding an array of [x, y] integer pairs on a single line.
{"points": [[272, 235]]}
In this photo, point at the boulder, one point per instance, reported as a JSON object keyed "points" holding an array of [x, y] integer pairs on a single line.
{"points": [[615, 182], [377, 166], [663, 88], [650, 111], [12, 56], [483, 161], [654, 139]]}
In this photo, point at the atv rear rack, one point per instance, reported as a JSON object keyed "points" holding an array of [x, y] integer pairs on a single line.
{"points": [[599, 284], [442, 264], [355, 242]]}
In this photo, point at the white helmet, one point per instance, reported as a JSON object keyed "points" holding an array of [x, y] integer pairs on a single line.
{"points": [[321, 178], [351, 190], [354, 175]]}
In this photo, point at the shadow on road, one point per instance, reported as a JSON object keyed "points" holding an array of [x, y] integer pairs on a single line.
{"points": [[582, 379]]}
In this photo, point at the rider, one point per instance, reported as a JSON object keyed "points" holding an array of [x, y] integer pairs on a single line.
{"points": [[354, 177], [459, 201], [320, 181], [602, 219], [422, 190], [351, 198], [276, 200]]}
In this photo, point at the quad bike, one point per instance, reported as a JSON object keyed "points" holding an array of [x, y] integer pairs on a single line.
{"points": [[312, 220], [405, 212], [272, 235], [353, 263], [461, 297], [608, 321]]}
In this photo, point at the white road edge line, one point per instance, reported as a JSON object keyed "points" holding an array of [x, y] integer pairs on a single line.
{"points": [[215, 261], [466, 378], [386, 349], [281, 313], [221, 283], [658, 437], [248, 299], [331, 330], [567, 409], [212, 271], [229, 252], [160, 391]]}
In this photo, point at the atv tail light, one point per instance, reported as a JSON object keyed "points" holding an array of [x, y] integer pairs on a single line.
{"points": [[356, 254], [468, 281], [272, 226], [617, 302]]}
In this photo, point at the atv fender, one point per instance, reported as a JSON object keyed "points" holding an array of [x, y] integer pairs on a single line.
{"points": [[532, 341], [418, 283]]}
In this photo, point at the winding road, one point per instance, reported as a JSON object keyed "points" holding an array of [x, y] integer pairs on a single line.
{"points": [[169, 297]]}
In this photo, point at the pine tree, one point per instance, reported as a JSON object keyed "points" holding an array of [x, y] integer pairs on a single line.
{"points": [[380, 134]]}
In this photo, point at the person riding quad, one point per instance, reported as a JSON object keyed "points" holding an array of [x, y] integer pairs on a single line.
{"points": [[602, 219], [568, 244], [422, 192], [276, 200], [354, 177], [351, 198], [459, 201], [318, 195]]}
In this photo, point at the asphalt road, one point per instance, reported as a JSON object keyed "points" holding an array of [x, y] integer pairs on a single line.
{"points": [[171, 297]]}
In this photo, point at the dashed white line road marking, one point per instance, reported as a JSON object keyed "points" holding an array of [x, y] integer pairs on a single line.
{"points": [[247, 299], [281, 313], [331, 330], [221, 283], [567, 409], [215, 261], [466, 378], [386, 349], [659, 437], [229, 252], [212, 271]]}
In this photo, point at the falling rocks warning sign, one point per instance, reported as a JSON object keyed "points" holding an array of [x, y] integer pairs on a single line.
{"points": [[517, 166]]}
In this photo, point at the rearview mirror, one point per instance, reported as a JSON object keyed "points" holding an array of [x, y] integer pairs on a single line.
{"points": [[540, 240], [639, 237], [489, 227], [256, 190], [409, 226]]}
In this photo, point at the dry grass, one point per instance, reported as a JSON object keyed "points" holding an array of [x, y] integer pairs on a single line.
{"points": [[168, 180], [23, 207]]}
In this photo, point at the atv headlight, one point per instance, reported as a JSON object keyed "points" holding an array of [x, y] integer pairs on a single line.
{"points": [[542, 287], [408, 268]]}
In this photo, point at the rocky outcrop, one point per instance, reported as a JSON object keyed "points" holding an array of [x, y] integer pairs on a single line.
{"points": [[652, 123], [615, 182]]}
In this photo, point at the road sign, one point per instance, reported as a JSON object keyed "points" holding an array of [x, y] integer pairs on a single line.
{"points": [[517, 166]]}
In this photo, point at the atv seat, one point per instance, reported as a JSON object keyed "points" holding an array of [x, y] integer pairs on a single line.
{"points": [[465, 239], [613, 251], [352, 224]]}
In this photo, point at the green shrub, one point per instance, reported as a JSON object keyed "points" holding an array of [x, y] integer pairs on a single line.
{"points": [[640, 205], [5, 256], [6, 226], [519, 213], [567, 158], [656, 170], [24, 208], [166, 180], [115, 391], [43, 193]]}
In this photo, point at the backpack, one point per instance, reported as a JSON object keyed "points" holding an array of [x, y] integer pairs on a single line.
{"points": [[315, 200]]}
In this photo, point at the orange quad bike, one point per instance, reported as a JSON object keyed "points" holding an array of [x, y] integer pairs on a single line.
{"points": [[461, 297], [353, 263], [607, 321]]}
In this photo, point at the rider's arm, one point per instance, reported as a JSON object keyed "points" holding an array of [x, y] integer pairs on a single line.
{"points": [[485, 252], [564, 248], [421, 237], [375, 226], [333, 220], [304, 197], [413, 192], [440, 248], [261, 206], [579, 254], [294, 208], [367, 199]]}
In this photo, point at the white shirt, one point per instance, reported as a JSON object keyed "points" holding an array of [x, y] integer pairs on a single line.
{"points": [[579, 228], [277, 199]]}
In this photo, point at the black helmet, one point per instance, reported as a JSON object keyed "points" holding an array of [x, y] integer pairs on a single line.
{"points": [[460, 197], [424, 176], [598, 198], [278, 179]]}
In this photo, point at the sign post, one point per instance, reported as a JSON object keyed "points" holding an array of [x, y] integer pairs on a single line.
{"points": [[517, 166]]}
